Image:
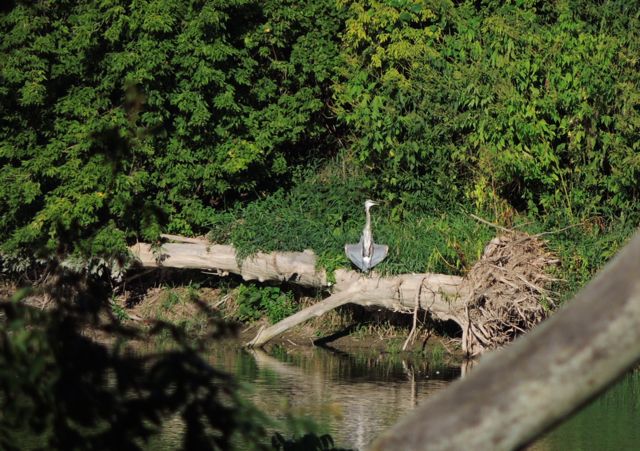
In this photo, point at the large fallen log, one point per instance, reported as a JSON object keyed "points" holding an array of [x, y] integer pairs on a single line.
{"points": [[194, 253], [518, 392], [495, 302], [436, 293]]}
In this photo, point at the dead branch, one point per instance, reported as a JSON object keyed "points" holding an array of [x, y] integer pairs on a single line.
{"points": [[294, 267], [394, 293]]}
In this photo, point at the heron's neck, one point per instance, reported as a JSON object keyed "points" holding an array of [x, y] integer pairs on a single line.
{"points": [[367, 237], [367, 224]]}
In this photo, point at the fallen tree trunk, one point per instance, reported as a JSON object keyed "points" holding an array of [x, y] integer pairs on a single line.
{"points": [[436, 293], [194, 253], [495, 302], [517, 393]]}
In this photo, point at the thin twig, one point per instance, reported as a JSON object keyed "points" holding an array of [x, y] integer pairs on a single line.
{"points": [[222, 301], [491, 224], [415, 317], [562, 229]]}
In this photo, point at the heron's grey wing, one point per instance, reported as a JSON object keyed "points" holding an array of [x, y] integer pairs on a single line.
{"points": [[380, 251], [354, 252]]}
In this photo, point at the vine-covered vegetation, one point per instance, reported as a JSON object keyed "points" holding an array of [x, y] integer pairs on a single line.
{"points": [[268, 123], [530, 103]]}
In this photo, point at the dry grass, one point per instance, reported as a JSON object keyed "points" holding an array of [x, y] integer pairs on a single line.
{"points": [[186, 306]]}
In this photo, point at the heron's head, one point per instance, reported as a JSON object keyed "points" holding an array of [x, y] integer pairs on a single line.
{"points": [[369, 203]]}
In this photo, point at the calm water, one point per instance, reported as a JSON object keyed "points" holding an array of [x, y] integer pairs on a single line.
{"points": [[355, 397]]}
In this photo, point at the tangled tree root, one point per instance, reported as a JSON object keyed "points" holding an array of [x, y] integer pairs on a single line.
{"points": [[508, 291]]}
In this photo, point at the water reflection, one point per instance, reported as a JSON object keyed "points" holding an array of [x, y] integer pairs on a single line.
{"points": [[354, 397]]}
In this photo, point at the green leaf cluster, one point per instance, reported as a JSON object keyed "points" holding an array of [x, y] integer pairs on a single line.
{"points": [[523, 101], [254, 302], [121, 119]]}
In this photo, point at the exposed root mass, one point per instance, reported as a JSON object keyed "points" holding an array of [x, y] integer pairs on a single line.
{"points": [[508, 291]]}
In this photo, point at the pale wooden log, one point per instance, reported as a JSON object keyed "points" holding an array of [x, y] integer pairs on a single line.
{"points": [[436, 293], [183, 239], [294, 267], [320, 308], [517, 393], [188, 255]]}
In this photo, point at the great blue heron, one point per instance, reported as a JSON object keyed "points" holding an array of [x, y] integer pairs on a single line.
{"points": [[366, 254]]}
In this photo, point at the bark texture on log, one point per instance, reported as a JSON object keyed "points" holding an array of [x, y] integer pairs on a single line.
{"points": [[294, 267], [497, 300], [436, 293], [517, 393]]}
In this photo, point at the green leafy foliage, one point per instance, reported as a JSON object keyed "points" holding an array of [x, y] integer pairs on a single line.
{"points": [[495, 100], [387, 98], [324, 211], [255, 302], [585, 249], [120, 119]]}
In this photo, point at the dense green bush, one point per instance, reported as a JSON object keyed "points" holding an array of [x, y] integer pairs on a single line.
{"points": [[119, 117], [526, 101], [254, 302]]}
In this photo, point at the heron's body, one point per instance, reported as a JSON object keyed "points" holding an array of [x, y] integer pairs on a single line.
{"points": [[366, 254]]}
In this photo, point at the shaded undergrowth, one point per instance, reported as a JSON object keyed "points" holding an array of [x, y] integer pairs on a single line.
{"points": [[60, 388]]}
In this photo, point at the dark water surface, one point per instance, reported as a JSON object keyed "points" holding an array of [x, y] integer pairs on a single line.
{"points": [[356, 396]]}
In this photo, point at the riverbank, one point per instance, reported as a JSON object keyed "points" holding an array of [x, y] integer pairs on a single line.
{"points": [[346, 330], [194, 307]]}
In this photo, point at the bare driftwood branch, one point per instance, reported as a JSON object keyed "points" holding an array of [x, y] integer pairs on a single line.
{"points": [[436, 293], [294, 267], [517, 393]]}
